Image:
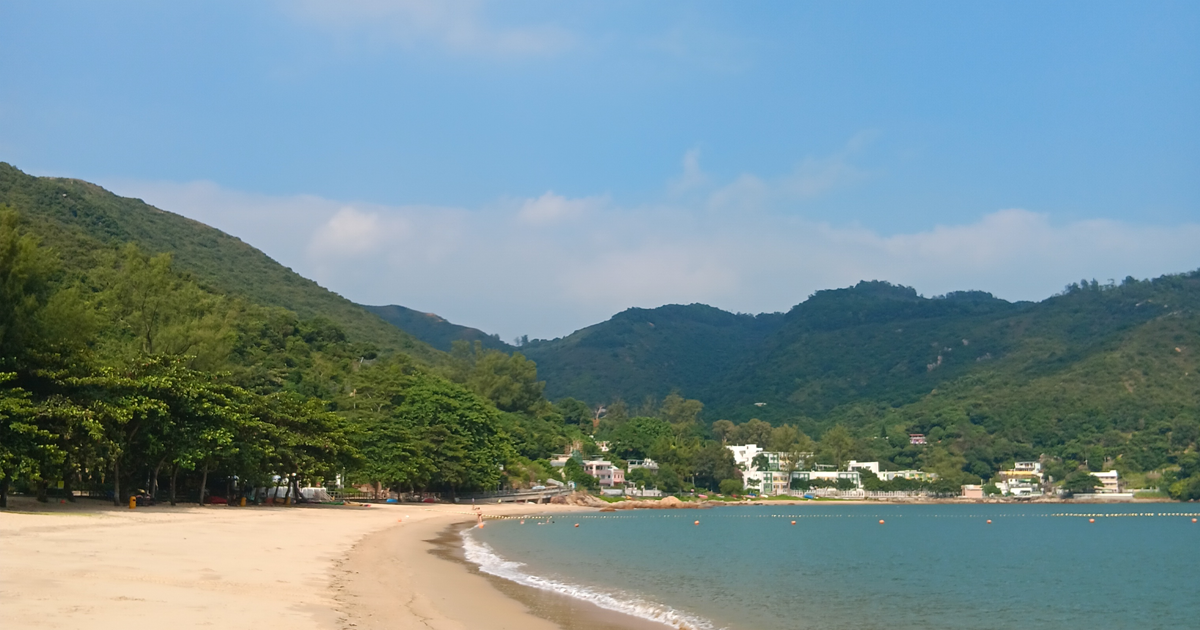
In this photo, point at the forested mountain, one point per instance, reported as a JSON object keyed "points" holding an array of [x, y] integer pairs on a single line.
{"points": [[872, 343], [434, 330], [643, 353], [79, 219]]}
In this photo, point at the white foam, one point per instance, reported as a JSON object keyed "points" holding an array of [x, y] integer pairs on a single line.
{"points": [[490, 562]]}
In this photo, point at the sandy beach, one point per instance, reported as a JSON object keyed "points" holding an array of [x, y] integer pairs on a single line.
{"points": [[91, 566]]}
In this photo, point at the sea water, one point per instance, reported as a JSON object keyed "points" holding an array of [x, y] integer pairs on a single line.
{"points": [[929, 567]]}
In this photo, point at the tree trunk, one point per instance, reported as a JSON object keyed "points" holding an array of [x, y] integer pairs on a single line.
{"points": [[41, 491], [174, 475], [117, 482], [288, 493], [3, 491], [67, 488], [154, 479], [203, 484]]}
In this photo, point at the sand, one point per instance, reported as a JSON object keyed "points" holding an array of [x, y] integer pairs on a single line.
{"points": [[90, 566]]}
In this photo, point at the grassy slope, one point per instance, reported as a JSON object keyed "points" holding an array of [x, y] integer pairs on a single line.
{"points": [[434, 330], [76, 218]]}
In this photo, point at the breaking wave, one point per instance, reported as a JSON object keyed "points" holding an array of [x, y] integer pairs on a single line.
{"points": [[490, 562]]}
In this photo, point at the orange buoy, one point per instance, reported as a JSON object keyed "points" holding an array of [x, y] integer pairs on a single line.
{"points": [[1193, 520], [793, 522], [696, 523], [522, 521], [881, 521], [989, 521], [1091, 520], [576, 524]]}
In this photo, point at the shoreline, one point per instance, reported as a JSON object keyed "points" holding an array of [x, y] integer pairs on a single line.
{"points": [[90, 565], [566, 612], [422, 560]]}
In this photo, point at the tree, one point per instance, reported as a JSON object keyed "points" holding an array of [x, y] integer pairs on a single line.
{"points": [[41, 326], [423, 431], [783, 437], [573, 471], [714, 464], [836, 445], [640, 478], [731, 487], [575, 412], [154, 311], [754, 431], [24, 446], [1080, 482], [722, 430], [510, 382], [636, 438], [680, 412], [26, 272]]}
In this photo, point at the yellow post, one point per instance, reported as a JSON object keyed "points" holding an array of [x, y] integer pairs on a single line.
{"points": [[132, 502], [242, 502]]}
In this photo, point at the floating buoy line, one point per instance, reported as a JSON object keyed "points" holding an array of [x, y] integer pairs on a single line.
{"points": [[881, 517]]}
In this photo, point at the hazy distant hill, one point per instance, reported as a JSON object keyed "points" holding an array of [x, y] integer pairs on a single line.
{"points": [[880, 344], [77, 218], [434, 330]]}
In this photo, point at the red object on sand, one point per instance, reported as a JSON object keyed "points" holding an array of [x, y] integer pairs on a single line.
{"points": [[217, 501]]}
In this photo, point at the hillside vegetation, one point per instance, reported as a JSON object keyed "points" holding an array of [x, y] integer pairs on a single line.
{"points": [[1098, 377], [434, 330], [138, 347], [874, 342], [80, 221]]}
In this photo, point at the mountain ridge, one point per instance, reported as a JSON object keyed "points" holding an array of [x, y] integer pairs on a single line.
{"points": [[77, 218]]}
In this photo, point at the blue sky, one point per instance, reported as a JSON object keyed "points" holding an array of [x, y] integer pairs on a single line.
{"points": [[533, 167]]}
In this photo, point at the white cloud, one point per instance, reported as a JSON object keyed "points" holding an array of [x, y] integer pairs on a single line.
{"points": [[552, 208], [692, 178], [460, 26], [812, 177], [487, 268], [353, 233]]}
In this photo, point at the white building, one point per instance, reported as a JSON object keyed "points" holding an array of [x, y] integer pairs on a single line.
{"points": [[830, 476], [1035, 467], [761, 480], [772, 481], [1019, 488], [1023, 470], [871, 466], [1110, 480], [915, 475]]}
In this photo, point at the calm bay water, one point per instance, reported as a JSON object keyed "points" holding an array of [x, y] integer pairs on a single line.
{"points": [[929, 567]]}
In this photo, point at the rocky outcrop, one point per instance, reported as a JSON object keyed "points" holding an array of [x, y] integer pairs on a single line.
{"points": [[668, 503], [586, 500]]}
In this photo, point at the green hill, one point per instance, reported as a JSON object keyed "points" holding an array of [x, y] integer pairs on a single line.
{"points": [[78, 219], [434, 330], [651, 352], [872, 343]]}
